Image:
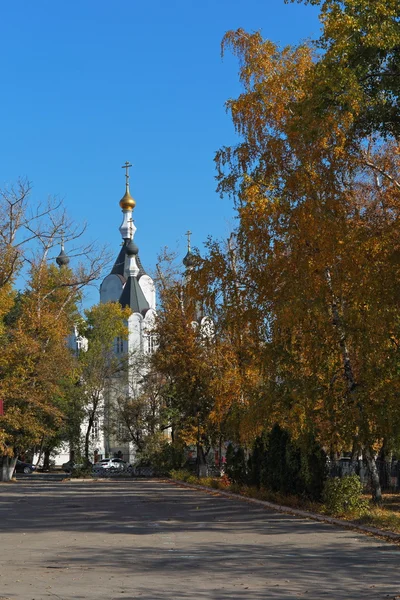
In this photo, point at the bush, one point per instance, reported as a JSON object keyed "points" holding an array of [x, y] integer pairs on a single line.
{"points": [[183, 475], [280, 469], [343, 494], [82, 472], [236, 468], [256, 460], [163, 459], [314, 470], [280, 465]]}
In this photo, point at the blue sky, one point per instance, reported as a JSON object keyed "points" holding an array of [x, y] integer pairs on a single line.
{"points": [[87, 85]]}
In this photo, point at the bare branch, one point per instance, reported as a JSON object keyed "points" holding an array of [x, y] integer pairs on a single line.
{"points": [[379, 169]]}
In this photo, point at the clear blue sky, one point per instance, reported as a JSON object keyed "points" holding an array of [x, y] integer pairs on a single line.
{"points": [[87, 85]]}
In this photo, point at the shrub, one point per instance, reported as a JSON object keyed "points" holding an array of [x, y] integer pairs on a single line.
{"points": [[83, 472], [343, 494], [163, 459], [256, 460], [184, 475], [314, 470], [236, 468], [283, 466], [280, 468]]}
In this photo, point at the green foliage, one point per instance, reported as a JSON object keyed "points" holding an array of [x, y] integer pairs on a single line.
{"points": [[165, 459], [184, 475], [359, 70], [99, 364], [256, 460], [280, 470], [343, 494], [314, 469], [279, 465], [83, 472], [236, 467]]}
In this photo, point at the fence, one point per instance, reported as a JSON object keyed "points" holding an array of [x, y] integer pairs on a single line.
{"points": [[389, 472], [123, 473]]}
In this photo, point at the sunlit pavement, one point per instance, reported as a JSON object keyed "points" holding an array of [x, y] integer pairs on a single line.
{"points": [[150, 539]]}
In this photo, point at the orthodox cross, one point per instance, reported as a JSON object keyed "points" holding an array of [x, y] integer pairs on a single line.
{"points": [[188, 234], [126, 166], [130, 231]]}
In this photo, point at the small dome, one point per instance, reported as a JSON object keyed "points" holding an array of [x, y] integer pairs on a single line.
{"points": [[189, 261], [127, 202], [62, 259], [131, 249]]}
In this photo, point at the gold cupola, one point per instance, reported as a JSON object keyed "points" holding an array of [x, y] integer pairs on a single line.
{"points": [[127, 202]]}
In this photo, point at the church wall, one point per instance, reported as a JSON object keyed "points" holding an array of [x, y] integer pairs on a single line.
{"points": [[149, 291]]}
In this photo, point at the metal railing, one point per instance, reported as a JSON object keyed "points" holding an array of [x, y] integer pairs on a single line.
{"points": [[389, 472]]}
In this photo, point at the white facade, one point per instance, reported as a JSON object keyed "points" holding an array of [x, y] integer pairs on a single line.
{"points": [[132, 287]]}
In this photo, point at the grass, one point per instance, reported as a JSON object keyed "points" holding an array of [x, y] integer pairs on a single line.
{"points": [[386, 517]]}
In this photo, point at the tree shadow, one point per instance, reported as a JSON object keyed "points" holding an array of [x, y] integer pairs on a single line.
{"points": [[173, 542]]}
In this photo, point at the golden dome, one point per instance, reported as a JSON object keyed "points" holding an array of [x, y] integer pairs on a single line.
{"points": [[127, 202]]}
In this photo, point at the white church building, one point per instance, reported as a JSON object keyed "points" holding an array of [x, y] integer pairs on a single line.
{"points": [[130, 285]]}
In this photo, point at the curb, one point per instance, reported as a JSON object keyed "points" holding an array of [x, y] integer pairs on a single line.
{"points": [[93, 480], [390, 535]]}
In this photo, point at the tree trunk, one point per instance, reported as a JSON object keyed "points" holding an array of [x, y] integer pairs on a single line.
{"points": [[46, 461], [373, 471], [87, 438], [338, 324], [7, 466], [201, 462], [40, 452], [92, 416], [385, 458]]}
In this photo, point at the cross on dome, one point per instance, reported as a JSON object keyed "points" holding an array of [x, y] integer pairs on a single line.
{"points": [[189, 261], [188, 234], [127, 202], [126, 166]]}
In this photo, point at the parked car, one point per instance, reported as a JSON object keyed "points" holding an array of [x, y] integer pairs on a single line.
{"points": [[23, 467], [116, 464]]}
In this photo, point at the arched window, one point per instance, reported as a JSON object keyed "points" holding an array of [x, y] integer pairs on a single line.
{"points": [[119, 345], [149, 344], [95, 430]]}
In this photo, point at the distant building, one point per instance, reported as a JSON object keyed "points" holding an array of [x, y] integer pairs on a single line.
{"points": [[130, 285]]}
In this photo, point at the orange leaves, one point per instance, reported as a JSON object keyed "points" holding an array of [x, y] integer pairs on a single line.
{"points": [[315, 286], [35, 358]]}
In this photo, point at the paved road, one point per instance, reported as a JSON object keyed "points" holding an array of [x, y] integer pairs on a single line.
{"points": [[149, 540]]}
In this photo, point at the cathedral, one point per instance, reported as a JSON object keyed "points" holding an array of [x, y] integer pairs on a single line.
{"points": [[130, 285]]}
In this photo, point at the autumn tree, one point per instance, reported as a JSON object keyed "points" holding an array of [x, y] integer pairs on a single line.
{"points": [[219, 283], [183, 358], [141, 416], [318, 242], [34, 324], [34, 360], [101, 369], [359, 71]]}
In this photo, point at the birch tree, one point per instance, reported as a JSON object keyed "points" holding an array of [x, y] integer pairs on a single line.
{"points": [[318, 233]]}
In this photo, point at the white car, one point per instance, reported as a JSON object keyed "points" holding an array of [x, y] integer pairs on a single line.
{"points": [[117, 464]]}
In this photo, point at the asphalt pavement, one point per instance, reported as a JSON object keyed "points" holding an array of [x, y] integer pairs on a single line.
{"points": [[108, 540]]}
